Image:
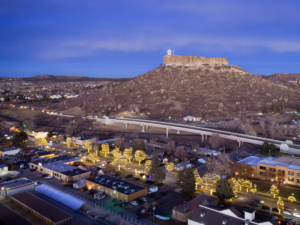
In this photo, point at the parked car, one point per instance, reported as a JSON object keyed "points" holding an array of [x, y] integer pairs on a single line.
{"points": [[49, 177], [265, 207], [129, 176], [287, 213], [101, 197], [275, 210], [134, 203], [143, 199], [287, 209], [295, 214], [84, 189]]}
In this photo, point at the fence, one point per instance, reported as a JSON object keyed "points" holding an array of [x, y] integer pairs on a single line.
{"points": [[114, 215]]}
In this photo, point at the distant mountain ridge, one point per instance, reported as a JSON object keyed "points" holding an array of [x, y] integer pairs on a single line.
{"points": [[282, 77]]}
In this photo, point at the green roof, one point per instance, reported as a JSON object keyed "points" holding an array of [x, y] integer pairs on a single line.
{"points": [[45, 153]]}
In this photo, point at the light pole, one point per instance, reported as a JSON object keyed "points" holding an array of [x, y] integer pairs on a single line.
{"points": [[153, 209]]}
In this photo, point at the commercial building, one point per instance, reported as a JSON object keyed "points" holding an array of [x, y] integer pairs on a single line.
{"points": [[12, 187], [214, 215], [45, 154], [9, 151], [46, 212], [182, 212], [8, 216], [282, 169], [80, 140], [116, 188], [60, 170]]}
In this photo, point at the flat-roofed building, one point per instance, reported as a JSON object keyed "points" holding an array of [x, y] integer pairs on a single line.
{"points": [[116, 188], [9, 188], [9, 151], [282, 169], [45, 211], [182, 166], [3, 169], [8, 216], [60, 170]]}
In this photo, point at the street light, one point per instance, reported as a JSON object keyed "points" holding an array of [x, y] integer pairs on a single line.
{"points": [[153, 209]]}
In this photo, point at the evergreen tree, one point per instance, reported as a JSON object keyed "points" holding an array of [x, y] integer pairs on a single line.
{"points": [[189, 181], [265, 110], [157, 173], [180, 176], [19, 138], [50, 134], [223, 189], [143, 147], [265, 148], [107, 112]]}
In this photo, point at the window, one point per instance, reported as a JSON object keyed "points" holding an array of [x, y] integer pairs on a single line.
{"points": [[291, 179], [298, 181], [272, 170], [41, 169], [262, 168], [262, 174], [298, 174], [291, 173], [252, 175]]}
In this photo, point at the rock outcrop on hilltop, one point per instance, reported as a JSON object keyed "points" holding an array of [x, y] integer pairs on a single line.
{"points": [[176, 60], [209, 90]]}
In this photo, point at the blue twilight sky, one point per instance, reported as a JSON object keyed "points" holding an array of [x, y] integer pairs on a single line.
{"points": [[125, 38]]}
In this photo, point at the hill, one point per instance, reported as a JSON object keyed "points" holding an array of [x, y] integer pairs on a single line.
{"points": [[175, 91], [282, 77]]}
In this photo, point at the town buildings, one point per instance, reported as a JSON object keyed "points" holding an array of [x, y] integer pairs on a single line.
{"points": [[9, 151], [9, 188], [282, 169], [116, 188]]}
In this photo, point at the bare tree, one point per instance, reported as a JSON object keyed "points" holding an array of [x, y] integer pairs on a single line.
{"points": [[120, 142], [262, 126], [170, 147], [221, 165], [248, 129], [181, 153], [272, 128], [215, 141]]}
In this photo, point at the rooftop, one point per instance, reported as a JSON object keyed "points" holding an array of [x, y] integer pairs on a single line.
{"points": [[194, 203], [207, 214], [273, 162], [16, 183], [182, 164], [8, 216], [84, 137], [288, 160], [58, 166], [42, 207], [45, 153], [74, 172], [3, 166], [9, 149], [105, 141], [111, 182], [252, 160], [63, 158]]}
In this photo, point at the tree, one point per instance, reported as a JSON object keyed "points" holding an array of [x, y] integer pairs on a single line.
{"points": [[68, 142], [43, 141], [139, 156], [170, 147], [116, 152], [88, 145], [128, 153], [143, 146], [274, 190], [222, 165], [265, 110], [148, 165], [234, 185], [253, 190], [50, 134], [198, 179], [29, 124], [20, 138], [223, 189], [119, 162], [181, 153], [292, 198], [215, 141], [280, 204], [188, 182], [105, 148], [210, 179], [157, 173], [268, 148], [170, 166], [120, 142], [107, 112], [247, 184]]}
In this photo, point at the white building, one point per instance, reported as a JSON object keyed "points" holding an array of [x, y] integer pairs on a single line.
{"points": [[13, 187], [9, 151], [192, 118], [182, 166], [55, 96]]}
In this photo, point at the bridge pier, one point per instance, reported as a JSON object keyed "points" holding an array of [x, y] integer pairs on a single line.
{"points": [[167, 130], [143, 128], [126, 125], [146, 127], [178, 132], [202, 137]]}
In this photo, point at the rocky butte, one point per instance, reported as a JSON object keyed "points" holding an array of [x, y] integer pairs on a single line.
{"points": [[177, 60]]}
